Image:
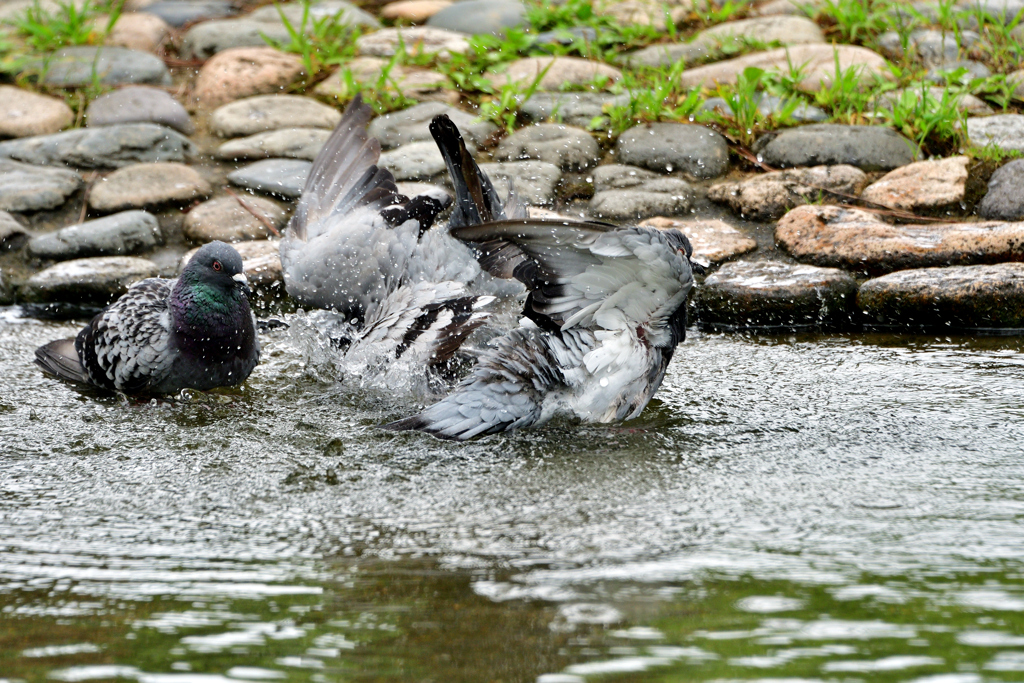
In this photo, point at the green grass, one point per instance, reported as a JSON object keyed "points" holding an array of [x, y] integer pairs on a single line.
{"points": [[321, 43], [69, 25]]}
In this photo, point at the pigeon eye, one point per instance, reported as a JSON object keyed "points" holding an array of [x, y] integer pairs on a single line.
{"points": [[217, 266]]}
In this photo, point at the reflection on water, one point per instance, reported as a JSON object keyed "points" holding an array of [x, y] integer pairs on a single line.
{"points": [[790, 508]]}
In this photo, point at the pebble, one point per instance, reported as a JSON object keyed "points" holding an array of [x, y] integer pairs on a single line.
{"points": [[890, 99], [139, 104], [629, 193], [412, 82], [24, 113], [142, 185], [412, 125], [857, 240], [964, 297], [946, 73], [712, 239], [204, 40], [535, 181], [24, 187], [645, 12], [818, 62], [768, 196], [97, 280], [924, 185], [870, 148], [261, 262], [225, 219], [480, 16], [1005, 131], [666, 55], [785, 30], [244, 71], [415, 161], [571, 149], [418, 40], [272, 112], [289, 143], [771, 294], [284, 177], [342, 12], [415, 11], [107, 147], [1004, 199], [670, 147], [74, 67], [125, 233], [177, 13], [12, 235], [561, 72], [573, 108], [928, 46], [136, 31]]}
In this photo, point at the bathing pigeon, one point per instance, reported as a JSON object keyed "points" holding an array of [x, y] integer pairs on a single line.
{"points": [[163, 336], [606, 309]]}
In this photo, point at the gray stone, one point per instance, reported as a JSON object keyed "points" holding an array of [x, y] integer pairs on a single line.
{"points": [[1005, 197], [210, 37], [271, 112], [415, 161], [565, 36], [932, 185], [284, 177], [930, 47], [98, 280], [415, 40], [571, 149], [770, 294], [670, 147], [106, 147], [1005, 131], [480, 16], [139, 104], [767, 196], [960, 297], [12, 235], [125, 233], [803, 113], [1003, 10], [180, 12], [31, 188], [581, 109], [963, 71], [712, 239], [870, 148], [929, 97], [74, 67], [666, 55], [412, 125], [629, 193], [342, 12], [535, 181], [24, 113], [148, 185], [290, 143], [227, 220]]}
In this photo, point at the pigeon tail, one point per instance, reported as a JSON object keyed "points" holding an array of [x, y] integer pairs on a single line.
{"points": [[60, 359]]}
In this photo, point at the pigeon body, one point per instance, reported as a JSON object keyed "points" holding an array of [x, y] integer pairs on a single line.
{"points": [[162, 336], [605, 312]]}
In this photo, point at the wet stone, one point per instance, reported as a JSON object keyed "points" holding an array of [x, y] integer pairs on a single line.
{"points": [[924, 185], [125, 233], [412, 189], [283, 177], [12, 235], [136, 31], [74, 67], [142, 185], [480, 16], [870, 148], [415, 161], [418, 40], [31, 188], [24, 113], [415, 11], [573, 108], [770, 294], [560, 72], [98, 280], [180, 12], [1005, 131], [670, 147], [928, 46], [769, 105], [571, 149], [204, 40], [272, 112], [859, 241], [629, 193], [412, 125], [225, 219], [139, 104], [245, 71], [289, 143], [1005, 198], [565, 36], [930, 98], [768, 196], [107, 147], [964, 297], [712, 239], [535, 181], [959, 72]]}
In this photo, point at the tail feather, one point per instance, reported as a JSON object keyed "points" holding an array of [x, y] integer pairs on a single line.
{"points": [[60, 359]]}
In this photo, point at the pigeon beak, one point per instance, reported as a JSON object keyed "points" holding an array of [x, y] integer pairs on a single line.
{"points": [[242, 282], [699, 266]]}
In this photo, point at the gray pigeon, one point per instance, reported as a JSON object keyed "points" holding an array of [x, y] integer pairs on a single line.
{"points": [[163, 336], [606, 309]]}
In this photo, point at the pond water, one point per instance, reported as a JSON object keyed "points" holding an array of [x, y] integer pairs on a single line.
{"points": [[792, 507]]}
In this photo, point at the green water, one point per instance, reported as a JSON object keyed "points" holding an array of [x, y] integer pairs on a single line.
{"points": [[796, 507]]}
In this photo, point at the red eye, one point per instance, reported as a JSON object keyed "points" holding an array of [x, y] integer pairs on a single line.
{"points": [[217, 266]]}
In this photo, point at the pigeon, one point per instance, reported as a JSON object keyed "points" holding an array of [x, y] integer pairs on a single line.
{"points": [[606, 309], [162, 336]]}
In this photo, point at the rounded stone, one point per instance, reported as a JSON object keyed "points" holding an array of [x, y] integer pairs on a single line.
{"points": [[964, 297], [412, 82], [767, 196], [628, 193], [74, 67], [289, 143], [771, 294], [415, 11], [106, 147], [148, 185], [557, 72], [139, 104], [413, 125], [480, 16], [225, 219], [870, 148], [204, 40], [12, 235], [571, 149], [711, 238], [24, 113], [1005, 198], [272, 112], [415, 161], [535, 181], [24, 187], [97, 280], [1005, 131], [283, 177], [125, 233], [136, 31], [784, 30], [417, 40], [573, 108], [670, 147], [244, 71], [180, 12], [924, 185]]}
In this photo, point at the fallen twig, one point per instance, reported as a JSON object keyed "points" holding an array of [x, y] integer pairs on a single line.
{"points": [[257, 214]]}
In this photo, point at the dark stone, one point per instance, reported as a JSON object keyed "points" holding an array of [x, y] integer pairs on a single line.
{"points": [[284, 177], [180, 12], [770, 294], [125, 233], [98, 280], [671, 147], [412, 125], [569, 148], [139, 104], [210, 37], [535, 181], [803, 113], [12, 235], [105, 147], [566, 36], [74, 67], [31, 188], [628, 193], [573, 108], [1005, 197], [480, 16], [870, 148]]}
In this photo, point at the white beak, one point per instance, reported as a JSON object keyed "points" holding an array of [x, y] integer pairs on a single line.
{"points": [[240, 279]]}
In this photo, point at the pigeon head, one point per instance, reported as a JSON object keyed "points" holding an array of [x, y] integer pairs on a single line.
{"points": [[681, 243], [218, 266]]}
